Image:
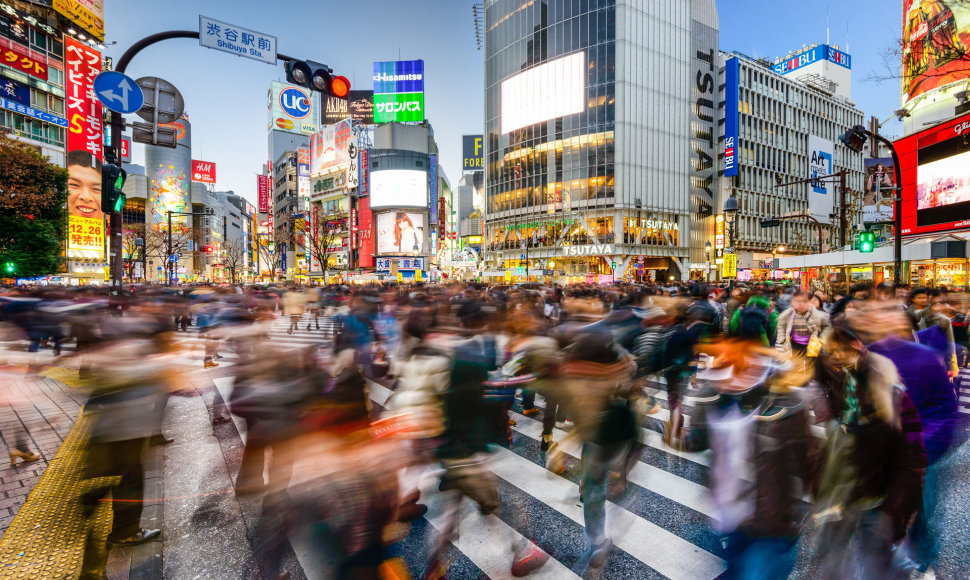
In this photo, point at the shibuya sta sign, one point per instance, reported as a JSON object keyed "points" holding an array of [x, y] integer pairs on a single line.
{"points": [[591, 250]]}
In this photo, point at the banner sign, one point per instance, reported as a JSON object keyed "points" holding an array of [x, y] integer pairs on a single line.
{"points": [[433, 179], [237, 40], [363, 183], [14, 91], [85, 239], [14, 24], [292, 109], [361, 106], [822, 52], [203, 171], [18, 59], [398, 108], [125, 150], [365, 228], [262, 188], [820, 198], [32, 112], [353, 171], [731, 77], [88, 14], [384, 264], [473, 153], [729, 267], [85, 131]]}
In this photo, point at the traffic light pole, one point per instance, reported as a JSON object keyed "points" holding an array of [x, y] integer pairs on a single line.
{"points": [[116, 259]]}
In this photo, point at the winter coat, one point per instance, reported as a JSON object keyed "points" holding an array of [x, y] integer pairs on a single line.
{"points": [[761, 302], [818, 321]]}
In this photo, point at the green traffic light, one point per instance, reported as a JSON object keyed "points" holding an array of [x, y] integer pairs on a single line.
{"points": [[10, 267], [120, 202]]}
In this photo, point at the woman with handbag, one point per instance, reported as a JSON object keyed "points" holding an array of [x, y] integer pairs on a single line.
{"points": [[801, 326]]}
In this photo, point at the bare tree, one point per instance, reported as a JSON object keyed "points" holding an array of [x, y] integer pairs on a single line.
{"points": [[233, 258], [130, 250], [157, 243], [326, 238], [272, 249]]}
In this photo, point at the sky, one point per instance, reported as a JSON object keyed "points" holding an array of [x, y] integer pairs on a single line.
{"points": [[225, 95]]}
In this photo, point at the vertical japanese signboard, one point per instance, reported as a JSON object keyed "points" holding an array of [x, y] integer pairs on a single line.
{"points": [[365, 228], [363, 186], [85, 137], [433, 177]]}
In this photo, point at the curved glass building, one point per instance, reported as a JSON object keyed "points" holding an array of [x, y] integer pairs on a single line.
{"points": [[601, 127]]}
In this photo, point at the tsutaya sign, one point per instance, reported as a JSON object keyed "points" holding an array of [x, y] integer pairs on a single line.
{"points": [[655, 224], [591, 250]]}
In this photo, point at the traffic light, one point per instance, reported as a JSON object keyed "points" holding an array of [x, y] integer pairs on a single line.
{"points": [[112, 180], [316, 77], [855, 138], [9, 267], [207, 249], [866, 241]]}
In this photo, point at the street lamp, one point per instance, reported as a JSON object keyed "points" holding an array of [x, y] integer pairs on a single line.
{"points": [[731, 216], [140, 243], [707, 259]]}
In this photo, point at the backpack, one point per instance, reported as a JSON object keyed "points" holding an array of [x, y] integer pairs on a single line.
{"points": [[753, 322], [650, 349]]}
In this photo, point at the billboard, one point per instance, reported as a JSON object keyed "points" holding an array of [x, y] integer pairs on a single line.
{"points": [[85, 240], [398, 91], [877, 202], [554, 89], [14, 91], [818, 53], [203, 171], [361, 106], [83, 109], [262, 193], [400, 233], [335, 109], [328, 147], [731, 75], [820, 193], [363, 186], [168, 191], [88, 14], [18, 59], [291, 109], [433, 184], [365, 230], [473, 153], [398, 188], [936, 37]]}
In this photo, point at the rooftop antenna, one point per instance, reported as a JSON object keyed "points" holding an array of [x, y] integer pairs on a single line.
{"points": [[827, 35]]}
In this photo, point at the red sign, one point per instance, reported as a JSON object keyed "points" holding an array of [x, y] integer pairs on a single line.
{"points": [[935, 172], [353, 228], [18, 59], [365, 227], [84, 131], [125, 150], [262, 198], [203, 171]]}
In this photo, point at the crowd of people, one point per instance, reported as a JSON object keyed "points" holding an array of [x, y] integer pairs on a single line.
{"points": [[821, 413]]}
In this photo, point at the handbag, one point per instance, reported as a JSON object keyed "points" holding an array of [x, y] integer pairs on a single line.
{"points": [[814, 346]]}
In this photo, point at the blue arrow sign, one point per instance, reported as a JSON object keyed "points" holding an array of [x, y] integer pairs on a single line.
{"points": [[118, 92], [173, 258]]}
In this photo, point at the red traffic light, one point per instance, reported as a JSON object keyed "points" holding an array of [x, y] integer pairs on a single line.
{"points": [[340, 87], [207, 249]]}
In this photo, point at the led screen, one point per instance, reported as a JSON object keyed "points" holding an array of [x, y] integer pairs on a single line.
{"points": [[400, 233], [943, 183], [554, 89], [398, 188]]}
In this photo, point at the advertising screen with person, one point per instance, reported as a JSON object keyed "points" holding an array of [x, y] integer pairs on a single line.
{"points": [[400, 233], [877, 203], [943, 182]]}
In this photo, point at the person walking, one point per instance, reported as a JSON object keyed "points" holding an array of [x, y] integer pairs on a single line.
{"points": [[294, 302], [800, 325]]}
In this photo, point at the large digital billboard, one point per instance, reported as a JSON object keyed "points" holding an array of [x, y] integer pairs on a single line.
{"points": [[935, 173], [936, 35], [398, 188], [399, 91], [400, 233], [554, 89], [292, 109], [328, 147]]}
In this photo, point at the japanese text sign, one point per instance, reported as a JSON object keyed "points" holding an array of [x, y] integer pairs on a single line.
{"points": [[85, 238], [17, 59], [82, 64], [233, 39]]}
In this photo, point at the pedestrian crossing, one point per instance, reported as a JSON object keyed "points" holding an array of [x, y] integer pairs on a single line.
{"points": [[964, 392]]}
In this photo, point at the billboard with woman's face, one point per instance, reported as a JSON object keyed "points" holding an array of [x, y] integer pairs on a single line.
{"points": [[400, 234]]}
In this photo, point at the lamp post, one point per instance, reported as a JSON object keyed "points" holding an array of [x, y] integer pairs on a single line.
{"points": [[707, 259], [731, 209], [140, 244]]}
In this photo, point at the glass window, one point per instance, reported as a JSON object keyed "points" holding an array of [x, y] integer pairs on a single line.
{"points": [[57, 48], [38, 40]]}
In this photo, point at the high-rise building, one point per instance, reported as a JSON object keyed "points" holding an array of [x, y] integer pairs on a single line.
{"points": [[601, 124], [782, 123]]}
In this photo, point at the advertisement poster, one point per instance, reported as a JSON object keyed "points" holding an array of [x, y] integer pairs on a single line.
{"points": [[168, 191], [203, 171], [400, 233], [335, 109], [731, 78], [328, 147], [88, 14], [361, 106], [877, 202], [473, 153], [365, 230], [936, 34], [85, 238], [262, 193], [399, 91], [292, 109], [820, 196]]}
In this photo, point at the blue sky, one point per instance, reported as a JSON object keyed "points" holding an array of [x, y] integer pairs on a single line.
{"points": [[226, 95]]}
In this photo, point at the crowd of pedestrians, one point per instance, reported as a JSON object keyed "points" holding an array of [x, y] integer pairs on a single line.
{"points": [[848, 402]]}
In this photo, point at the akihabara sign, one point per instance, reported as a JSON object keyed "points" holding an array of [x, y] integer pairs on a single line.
{"points": [[203, 171]]}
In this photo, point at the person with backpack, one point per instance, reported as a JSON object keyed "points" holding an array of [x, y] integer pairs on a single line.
{"points": [[757, 306]]}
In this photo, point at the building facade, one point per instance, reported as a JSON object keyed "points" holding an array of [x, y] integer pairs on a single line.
{"points": [[600, 137], [786, 113]]}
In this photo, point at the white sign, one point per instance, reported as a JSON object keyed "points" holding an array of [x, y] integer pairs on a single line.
{"points": [[820, 164], [554, 89], [352, 167], [219, 35], [398, 188], [591, 250]]}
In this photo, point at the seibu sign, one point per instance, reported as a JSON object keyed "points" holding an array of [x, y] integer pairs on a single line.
{"points": [[591, 250]]}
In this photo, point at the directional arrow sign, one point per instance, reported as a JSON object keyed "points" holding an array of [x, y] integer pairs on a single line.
{"points": [[118, 92]]}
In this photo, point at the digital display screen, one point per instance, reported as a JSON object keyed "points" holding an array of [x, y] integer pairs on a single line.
{"points": [[548, 91], [943, 183], [398, 188], [400, 233]]}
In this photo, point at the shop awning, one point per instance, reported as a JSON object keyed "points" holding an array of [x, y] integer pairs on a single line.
{"points": [[914, 250]]}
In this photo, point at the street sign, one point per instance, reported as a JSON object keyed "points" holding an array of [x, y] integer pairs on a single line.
{"points": [[640, 259], [161, 97], [522, 257], [770, 223], [225, 37], [173, 258], [159, 268], [118, 92]]}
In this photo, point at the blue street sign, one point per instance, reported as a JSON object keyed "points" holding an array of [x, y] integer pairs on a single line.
{"points": [[522, 257], [118, 92], [173, 258], [159, 268]]}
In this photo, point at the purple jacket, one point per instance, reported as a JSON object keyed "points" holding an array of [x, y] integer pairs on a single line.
{"points": [[923, 373]]}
